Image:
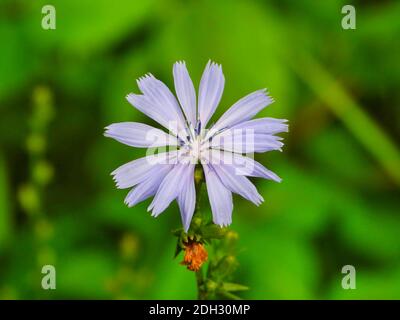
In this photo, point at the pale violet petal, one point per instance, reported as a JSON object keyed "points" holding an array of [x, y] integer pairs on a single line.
{"points": [[245, 141], [238, 183], [170, 188], [185, 91], [136, 171], [187, 200], [264, 125], [162, 98], [140, 135], [148, 187], [249, 167], [243, 165], [144, 105], [210, 91], [219, 196], [245, 109]]}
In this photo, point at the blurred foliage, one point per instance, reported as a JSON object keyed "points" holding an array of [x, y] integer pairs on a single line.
{"points": [[339, 200]]}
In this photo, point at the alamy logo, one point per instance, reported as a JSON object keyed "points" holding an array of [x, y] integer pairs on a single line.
{"points": [[349, 280], [49, 278], [49, 18], [349, 20]]}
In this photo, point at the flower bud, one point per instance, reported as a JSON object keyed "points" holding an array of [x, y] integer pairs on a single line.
{"points": [[195, 255]]}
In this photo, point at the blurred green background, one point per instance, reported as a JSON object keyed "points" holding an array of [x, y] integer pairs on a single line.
{"points": [[339, 200]]}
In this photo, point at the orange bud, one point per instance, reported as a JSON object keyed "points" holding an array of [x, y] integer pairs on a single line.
{"points": [[195, 255]]}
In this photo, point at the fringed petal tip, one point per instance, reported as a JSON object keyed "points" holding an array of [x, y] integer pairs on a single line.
{"points": [[259, 201], [128, 203], [145, 77], [180, 62], [223, 224], [277, 179]]}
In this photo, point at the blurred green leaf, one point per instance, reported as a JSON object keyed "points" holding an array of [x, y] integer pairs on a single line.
{"points": [[16, 64], [370, 285], [279, 266], [85, 27], [352, 166], [371, 230], [300, 204], [171, 278], [89, 271]]}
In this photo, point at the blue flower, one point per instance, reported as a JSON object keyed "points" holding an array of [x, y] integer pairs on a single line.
{"points": [[220, 150]]}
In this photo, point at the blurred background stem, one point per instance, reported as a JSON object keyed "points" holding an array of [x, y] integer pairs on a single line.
{"points": [[32, 192], [351, 113]]}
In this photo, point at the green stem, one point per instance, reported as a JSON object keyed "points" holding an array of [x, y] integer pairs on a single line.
{"points": [[201, 292], [199, 177], [209, 281]]}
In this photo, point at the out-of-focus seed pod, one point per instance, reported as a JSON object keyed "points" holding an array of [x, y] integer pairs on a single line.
{"points": [[36, 143], [129, 246], [44, 229], [43, 106], [28, 198], [42, 172]]}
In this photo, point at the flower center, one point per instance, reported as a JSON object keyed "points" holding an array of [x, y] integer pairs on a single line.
{"points": [[195, 148]]}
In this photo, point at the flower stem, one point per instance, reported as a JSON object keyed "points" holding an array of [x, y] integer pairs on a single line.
{"points": [[201, 292], [212, 280], [199, 177]]}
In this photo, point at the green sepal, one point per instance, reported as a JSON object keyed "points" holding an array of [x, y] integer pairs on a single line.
{"points": [[179, 248], [177, 232], [212, 231]]}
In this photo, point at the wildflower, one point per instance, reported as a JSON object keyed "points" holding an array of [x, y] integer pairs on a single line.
{"points": [[195, 255], [170, 175]]}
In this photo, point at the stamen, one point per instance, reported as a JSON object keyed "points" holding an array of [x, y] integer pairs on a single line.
{"points": [[198, 127], [181, 142]]}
